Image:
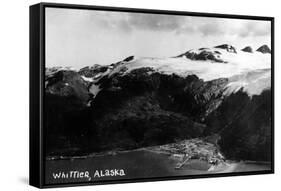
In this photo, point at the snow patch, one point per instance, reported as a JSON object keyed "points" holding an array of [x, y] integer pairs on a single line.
{"points": [[95, 89], [87, 79], [254, 82]]}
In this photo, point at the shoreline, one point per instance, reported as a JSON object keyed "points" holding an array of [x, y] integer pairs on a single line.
{"points": [[146, 149]]}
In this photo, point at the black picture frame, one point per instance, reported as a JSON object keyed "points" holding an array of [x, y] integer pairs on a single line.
{"points": [[37, 75]]}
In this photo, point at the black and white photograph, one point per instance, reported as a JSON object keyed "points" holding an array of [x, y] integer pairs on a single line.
{"points": [[143, 95], [140, 95]]}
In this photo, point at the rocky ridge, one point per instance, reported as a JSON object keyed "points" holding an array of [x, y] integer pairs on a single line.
{"points": [[264, 49]]}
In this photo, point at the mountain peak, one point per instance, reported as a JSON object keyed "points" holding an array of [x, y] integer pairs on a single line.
{"points": [[247, 49], [227, 47], [203, 54], [264, 49], [128, 59]]}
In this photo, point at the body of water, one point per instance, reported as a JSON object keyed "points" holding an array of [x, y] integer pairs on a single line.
{"points": [[135, 164]]}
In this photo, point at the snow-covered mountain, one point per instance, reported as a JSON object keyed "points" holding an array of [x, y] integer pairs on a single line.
{"points": [[148, 101], [223, 61]]}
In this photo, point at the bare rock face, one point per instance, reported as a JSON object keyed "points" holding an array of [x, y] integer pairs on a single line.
{"points": [[93, 70], [247, 49], [227, 47], [204, 54], [264, 49], [128, 59]]}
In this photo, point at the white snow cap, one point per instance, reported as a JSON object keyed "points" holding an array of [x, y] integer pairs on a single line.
{"points": [[251, 72], [206, 70]]}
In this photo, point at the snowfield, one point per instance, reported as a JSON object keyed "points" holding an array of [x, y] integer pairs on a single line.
{"points": [[207, 70], [248, 71]]}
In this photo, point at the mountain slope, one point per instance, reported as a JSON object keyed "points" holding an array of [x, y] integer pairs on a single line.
{"points": [[150, 101]]}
